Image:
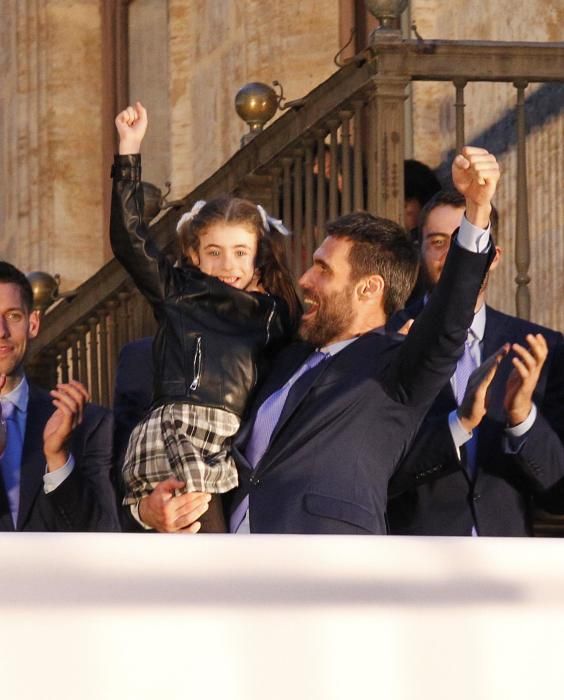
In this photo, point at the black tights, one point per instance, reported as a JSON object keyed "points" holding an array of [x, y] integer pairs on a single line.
{"points": [[213, 519]]}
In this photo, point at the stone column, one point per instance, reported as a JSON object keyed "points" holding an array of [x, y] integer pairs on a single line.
{"points": [[50, 156]]}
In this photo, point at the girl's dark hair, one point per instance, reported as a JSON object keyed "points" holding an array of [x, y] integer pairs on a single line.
{"points": [[271, 261]]}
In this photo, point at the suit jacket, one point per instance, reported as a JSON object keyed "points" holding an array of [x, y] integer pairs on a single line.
{"points": [[85, 500], [424, 501], [133, 395], [347, 423]]}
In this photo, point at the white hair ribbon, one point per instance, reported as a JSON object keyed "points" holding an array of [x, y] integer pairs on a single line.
{"points": [[189, 215], [268, 221]]}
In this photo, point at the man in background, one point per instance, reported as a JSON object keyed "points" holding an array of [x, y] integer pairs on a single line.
{"points": [[56, 461], [481, 456]]}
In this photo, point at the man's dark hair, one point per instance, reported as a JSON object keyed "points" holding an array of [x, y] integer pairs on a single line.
{"points": [[11, 275], [379, 247], [451, 198], [420, 182]]}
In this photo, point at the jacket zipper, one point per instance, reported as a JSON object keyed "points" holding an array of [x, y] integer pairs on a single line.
{"points": [[197, 364], [269, 321]]}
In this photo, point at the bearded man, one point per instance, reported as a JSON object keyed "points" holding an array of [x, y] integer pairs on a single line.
{"points": [[340, 407]]}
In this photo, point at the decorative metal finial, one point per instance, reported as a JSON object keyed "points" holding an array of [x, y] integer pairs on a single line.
{"points": [[388, 14], [45, 289], [256, 104]]}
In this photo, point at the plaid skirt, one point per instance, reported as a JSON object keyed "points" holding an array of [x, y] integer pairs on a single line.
{"points": [[186, 441]]}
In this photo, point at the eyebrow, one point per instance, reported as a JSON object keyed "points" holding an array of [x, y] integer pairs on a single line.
{"points": [[321, 262], [437, 233], [216, 245]]}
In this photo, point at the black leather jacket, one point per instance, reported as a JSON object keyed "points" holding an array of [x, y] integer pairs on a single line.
{"points": [[210, 335]]}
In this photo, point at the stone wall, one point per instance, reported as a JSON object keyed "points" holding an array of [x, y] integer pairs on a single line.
{"points": [[216, 47], [50, 134]]}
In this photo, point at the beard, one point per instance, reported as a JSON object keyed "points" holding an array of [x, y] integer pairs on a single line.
{"points": [[332, 319]]}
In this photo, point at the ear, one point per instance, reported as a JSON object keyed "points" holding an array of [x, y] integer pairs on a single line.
{"points": [[370, 288], [193, 256], [497, 258], [34, 323]]}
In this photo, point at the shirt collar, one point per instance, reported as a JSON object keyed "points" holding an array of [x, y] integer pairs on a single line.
{"points": [[478, 326], [334, 348], [19, 395]]}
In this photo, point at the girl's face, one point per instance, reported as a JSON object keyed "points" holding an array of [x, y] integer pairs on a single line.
{"points": [[228, 251]]}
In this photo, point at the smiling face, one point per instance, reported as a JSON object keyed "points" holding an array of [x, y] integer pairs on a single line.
{"points": [[17, 327], [328, 294], [228, 252]]}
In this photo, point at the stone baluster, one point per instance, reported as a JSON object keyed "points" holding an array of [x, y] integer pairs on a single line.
{"points": [[346, 116], [522, 243]]}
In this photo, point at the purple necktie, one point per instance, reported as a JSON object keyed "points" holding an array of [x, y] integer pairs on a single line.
{"points": [[266, 420], [466, 365], [11, 458]]}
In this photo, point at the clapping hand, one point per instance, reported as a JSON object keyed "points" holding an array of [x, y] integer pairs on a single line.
{"points": [[475, 402], [522, 381], [69, 401]]}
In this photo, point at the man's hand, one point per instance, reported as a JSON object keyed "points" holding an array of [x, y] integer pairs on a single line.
{"points": [[475, 402], [475, 174], [131, 125], [163, 511], [522, 381], [69, 401]]}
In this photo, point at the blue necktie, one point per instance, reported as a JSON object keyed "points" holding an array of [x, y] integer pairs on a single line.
{"points": [[266, 420], [11, 458]]}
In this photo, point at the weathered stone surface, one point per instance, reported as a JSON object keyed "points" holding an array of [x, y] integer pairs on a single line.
{"points": [[217, 47], [51, 208]]}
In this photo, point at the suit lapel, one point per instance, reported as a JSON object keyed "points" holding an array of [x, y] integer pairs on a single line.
{"points": [[298, 393], [39, 409]]}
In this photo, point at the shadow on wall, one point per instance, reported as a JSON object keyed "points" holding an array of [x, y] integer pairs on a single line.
{"points": [[544, 104]]}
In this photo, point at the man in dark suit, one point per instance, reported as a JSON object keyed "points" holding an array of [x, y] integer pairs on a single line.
{"points": [[133, 395], [339, 408], [454, 481], [55, 463], [133, 392]]}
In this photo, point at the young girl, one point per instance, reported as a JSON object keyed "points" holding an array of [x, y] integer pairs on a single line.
{"points": [[230, 300]]}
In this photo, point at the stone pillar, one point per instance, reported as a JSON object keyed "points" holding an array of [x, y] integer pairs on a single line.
{"points": [[50, 155], [387, 147]]}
